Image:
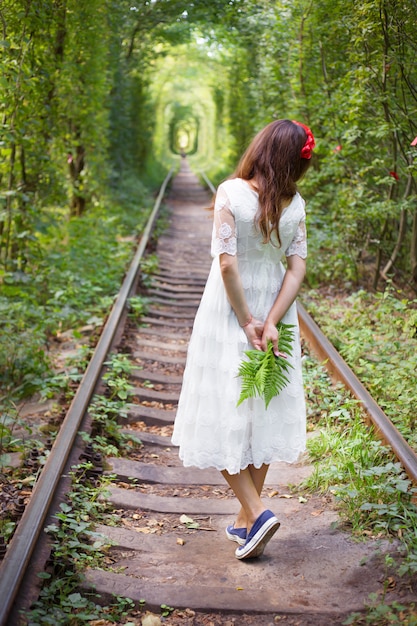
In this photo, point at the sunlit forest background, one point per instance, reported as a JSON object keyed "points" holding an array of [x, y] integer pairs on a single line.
{"points": [[98, 100]]}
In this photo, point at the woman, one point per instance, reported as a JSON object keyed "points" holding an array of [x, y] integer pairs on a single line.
{"points": [[259, 218]]}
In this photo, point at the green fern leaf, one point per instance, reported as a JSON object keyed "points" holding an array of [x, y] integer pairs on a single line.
{"points": [[263, 374]]}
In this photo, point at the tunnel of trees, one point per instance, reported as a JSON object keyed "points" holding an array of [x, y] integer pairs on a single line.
{"points": [[99, 99]]}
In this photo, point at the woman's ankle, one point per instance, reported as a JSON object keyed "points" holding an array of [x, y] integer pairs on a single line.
{"points": [[251, 520], [241, 521]]}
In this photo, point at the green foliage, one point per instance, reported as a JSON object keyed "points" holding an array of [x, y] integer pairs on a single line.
{"points": [[15, 434], [380, 614], [117, 377], [85, 106], [23, 359], [18, 440], [374, 494], [166, 610], [264, 374], [376, 334], [347, 69], [75, 546], [119, 365], [107, 411], [90, 91], [138, 306], [65, 382], [63, 289], [149, 266], [54, 147]]}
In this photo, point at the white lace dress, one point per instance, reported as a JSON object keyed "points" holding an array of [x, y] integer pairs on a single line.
{"points": [[210, 430]]}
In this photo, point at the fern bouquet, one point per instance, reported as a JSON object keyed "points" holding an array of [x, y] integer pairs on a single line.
{"points": [[264, 374]]}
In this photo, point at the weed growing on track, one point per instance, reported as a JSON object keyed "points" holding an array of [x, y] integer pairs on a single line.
{"points": [[117, 377], [149, 267], [138, 306], [76, 546], [109, 409]]}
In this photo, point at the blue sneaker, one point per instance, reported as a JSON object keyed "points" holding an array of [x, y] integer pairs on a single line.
{"points": [[236, 534], [261, 532]]}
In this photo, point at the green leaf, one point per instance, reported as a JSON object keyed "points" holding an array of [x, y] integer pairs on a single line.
{"points": [[264, 374], [189, 522]]}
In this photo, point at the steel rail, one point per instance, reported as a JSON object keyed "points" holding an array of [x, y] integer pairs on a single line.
{"points": [[340, 370], [208, 182], [21, 547]]}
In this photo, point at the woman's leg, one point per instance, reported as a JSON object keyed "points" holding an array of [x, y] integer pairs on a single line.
{"points": [[258, 476], [247, 486]]}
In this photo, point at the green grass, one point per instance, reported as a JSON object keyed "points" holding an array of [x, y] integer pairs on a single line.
{"points": [[76, 268], [377, 336]]}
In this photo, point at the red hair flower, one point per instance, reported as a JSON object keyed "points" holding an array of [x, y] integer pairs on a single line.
{"points": [[307, 149]]}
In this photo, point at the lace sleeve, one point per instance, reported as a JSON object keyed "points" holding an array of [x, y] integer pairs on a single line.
{"points": [[298, 245], [224, 229]]}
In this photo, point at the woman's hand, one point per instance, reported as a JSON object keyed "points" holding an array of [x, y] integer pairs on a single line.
{"points": [[270, 333], [254, 332]]}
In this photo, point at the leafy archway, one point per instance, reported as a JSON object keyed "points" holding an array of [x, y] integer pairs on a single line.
{"points": [[183, 130]]}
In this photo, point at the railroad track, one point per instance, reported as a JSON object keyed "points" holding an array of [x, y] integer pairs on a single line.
{"points": [[170, 547]]}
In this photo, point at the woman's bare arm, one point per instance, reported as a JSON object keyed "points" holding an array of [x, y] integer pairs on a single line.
{"points": [[294, 276], [236, 296]]}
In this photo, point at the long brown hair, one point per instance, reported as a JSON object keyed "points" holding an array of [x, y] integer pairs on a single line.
{"points": [[274, 160]]}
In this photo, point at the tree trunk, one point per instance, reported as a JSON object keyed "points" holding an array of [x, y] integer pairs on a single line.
{"points": [[76, 166], [401, 232], [413, 253], [7, 225]]}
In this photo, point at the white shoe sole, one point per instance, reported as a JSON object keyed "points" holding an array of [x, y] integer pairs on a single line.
{"points": [[236, 538], [256, 545]]}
